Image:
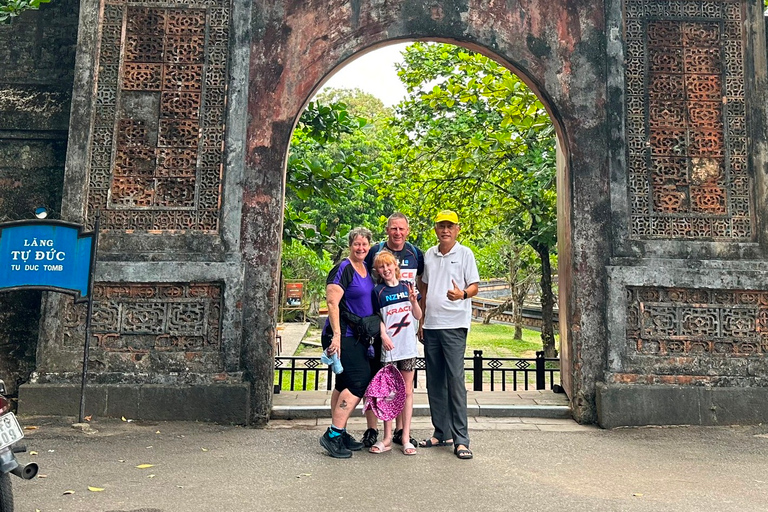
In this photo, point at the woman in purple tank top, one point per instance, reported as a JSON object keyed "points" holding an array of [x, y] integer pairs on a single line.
{"points": [[349, 289]]}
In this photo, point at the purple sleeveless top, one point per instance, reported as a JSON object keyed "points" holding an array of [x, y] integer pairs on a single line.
{"points": [[358, 291]]}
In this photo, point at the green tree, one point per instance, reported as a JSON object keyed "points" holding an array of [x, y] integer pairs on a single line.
{"points": [[9, 9], [335, 164], [521, 266], [327, 178], [358, 102], [473, 136]]}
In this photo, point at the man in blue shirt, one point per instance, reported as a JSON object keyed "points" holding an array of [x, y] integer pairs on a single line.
{"points": [[410, 259]]}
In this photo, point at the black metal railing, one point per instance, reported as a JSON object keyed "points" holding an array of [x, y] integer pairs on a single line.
{"points": [[296, 373]]}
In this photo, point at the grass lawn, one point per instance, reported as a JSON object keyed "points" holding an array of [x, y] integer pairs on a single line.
{"points": [[497, 340]]}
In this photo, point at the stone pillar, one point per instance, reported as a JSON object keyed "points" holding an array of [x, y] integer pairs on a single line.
{"points": [[155, 150], [687, 295]]}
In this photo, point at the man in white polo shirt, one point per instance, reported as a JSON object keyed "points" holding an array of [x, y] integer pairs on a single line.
{"points": [[449, 281]]}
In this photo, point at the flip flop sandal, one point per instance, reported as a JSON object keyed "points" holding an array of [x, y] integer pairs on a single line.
{"points": [[462, 453], [428, 443], [379, 447], [409, 449]]}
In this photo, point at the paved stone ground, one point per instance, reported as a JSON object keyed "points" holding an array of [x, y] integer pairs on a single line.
{"points": [[291, 334], [519, 464], [545, 403]]}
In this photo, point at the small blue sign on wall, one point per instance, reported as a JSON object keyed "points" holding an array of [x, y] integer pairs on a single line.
{"points": [[46, 255]]}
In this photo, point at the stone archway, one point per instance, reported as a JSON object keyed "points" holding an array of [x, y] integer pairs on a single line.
{"points": [[556, 50], [180, 121]]}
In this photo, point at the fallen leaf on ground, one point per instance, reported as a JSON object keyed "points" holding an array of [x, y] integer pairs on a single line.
{"points": [[123, 418], [150, 476], [42, 476], [157, 432], [120, 460], [145, 466], [69, 491], [88, 418], [31, 428], [204, 449], [95, 489], [33, 452]]}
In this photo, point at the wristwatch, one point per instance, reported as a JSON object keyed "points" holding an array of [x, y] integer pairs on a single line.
{"points": [[465, 294]]}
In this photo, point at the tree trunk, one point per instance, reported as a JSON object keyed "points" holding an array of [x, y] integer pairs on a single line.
{"points": [[519, 293], [547, 302], [519, 302]]}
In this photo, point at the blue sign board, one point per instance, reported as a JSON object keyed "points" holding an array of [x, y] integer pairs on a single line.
{"points": [[47, 255]]}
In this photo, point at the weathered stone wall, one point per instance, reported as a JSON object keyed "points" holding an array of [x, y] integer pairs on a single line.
{"points": [[558, 47], [147, 158], [181, 120], [687, 281], [37, 53]]}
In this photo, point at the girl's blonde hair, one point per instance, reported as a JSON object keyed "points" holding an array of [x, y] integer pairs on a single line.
{"points": [[383, 257]]}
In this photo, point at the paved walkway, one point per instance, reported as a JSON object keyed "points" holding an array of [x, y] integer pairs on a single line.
{"points": [[535, 465], [481, 404], [291, 334]]}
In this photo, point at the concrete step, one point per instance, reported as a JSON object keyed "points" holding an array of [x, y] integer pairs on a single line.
{"points": [[525, 404]]}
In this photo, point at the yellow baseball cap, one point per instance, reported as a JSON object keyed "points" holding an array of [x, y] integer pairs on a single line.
{"points": [[447, 215]]}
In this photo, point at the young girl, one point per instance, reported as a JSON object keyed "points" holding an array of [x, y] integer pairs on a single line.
{"points": [[397, 303]]}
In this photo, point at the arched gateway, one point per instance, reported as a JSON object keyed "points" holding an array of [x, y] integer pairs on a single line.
{"points": [[180, 122]]}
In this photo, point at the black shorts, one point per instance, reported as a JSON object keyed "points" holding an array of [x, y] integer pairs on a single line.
{"points": [[357, 370]]}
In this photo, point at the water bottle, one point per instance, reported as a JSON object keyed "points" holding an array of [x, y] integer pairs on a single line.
{"points": [[334, 362]]}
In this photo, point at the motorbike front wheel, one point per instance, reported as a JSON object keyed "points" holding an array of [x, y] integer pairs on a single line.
{"points": [[6, 493]]}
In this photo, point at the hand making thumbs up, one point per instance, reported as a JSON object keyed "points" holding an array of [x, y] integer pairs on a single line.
{"points": [[455, 293]]}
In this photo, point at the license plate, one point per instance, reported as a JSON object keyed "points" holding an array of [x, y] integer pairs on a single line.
{"points": [[10, 430]]}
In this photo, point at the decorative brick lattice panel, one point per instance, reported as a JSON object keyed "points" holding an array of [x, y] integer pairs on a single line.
{"points": [[179, 317], [687, 141], [156, 155], [675, 321]]}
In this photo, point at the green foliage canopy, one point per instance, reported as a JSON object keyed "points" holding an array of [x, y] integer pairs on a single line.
{"points": [[335, 164], [9, 9], [476, 139]]}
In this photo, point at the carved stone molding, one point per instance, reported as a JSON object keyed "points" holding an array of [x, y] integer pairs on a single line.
{"points": [[686, 121], [157, 149], [678, 321]]}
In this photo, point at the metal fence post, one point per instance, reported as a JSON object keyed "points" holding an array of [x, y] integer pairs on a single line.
{"points": [[477, 367], [540, 363]]}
